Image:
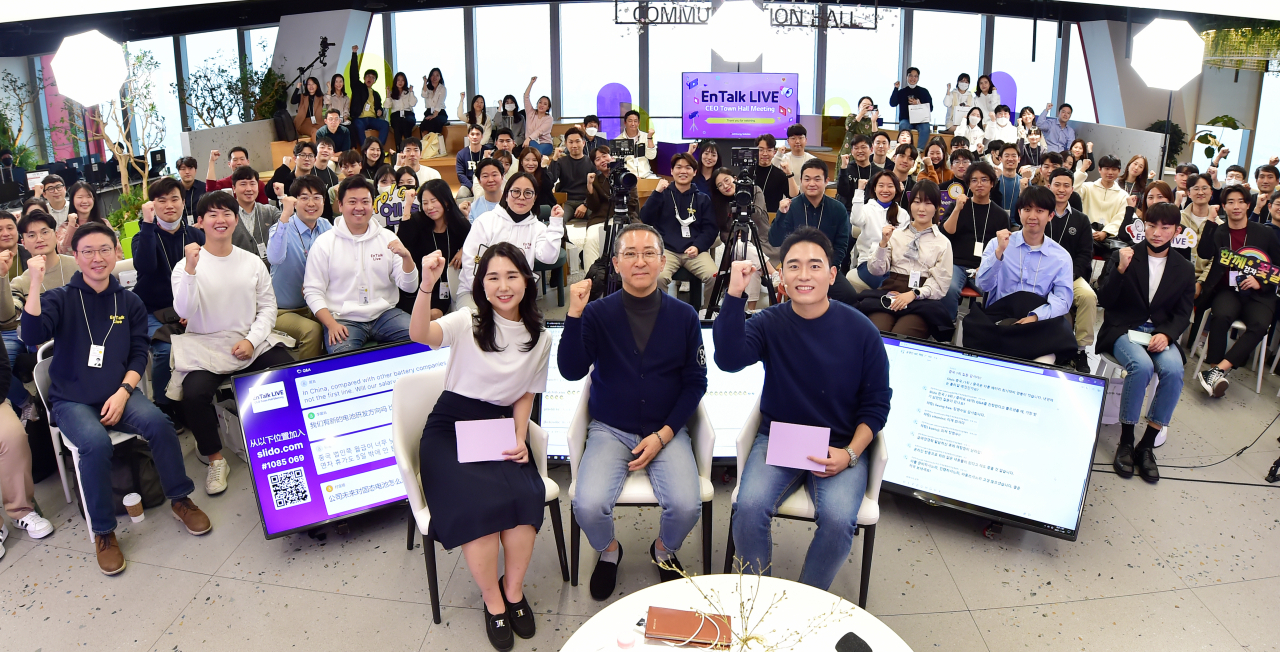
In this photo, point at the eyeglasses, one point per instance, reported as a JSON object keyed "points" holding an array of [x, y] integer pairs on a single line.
{"points": [[306, 156], [516, 193], [91, 254], [55, 188], [648, 255]]}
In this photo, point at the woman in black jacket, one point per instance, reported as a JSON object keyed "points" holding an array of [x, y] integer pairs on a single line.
{"points": [[1234, 288], [1147, 295]]}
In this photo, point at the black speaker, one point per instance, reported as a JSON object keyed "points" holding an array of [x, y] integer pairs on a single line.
{"points": [[157, 159]]}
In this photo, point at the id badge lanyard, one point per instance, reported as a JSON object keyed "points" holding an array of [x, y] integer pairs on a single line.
{"points": [[685, 232], [98, 351]]}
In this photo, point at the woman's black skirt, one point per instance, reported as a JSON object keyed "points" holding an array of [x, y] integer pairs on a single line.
{"points": [[472, 500]]}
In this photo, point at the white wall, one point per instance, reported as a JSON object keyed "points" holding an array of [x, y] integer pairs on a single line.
{"points": [[298, 42], [18, 66], [255, 136]]}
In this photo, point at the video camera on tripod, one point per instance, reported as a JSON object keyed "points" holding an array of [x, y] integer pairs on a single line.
{"points": [[743, 231], [621, 183]]}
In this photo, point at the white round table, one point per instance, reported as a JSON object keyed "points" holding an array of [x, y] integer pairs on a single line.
{"points": [[797, 609]]}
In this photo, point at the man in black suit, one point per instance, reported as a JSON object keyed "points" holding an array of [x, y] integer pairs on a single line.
{"points": [[1147, 295], [1231, 295]]}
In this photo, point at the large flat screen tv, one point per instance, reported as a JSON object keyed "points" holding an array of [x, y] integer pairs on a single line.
{"points": [[738, 104]]}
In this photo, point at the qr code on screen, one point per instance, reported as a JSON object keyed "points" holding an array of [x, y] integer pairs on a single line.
{"points": [[289, 488]]}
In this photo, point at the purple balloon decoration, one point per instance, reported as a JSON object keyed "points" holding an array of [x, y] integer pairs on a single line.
{"points": [[1008, 90], [608, 103]]}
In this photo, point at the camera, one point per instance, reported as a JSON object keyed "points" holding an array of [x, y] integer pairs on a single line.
{"points": [[621, 180], [744, 193]]}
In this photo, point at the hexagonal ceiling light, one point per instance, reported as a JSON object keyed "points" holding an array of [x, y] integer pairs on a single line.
{"points": [[89, 68]]}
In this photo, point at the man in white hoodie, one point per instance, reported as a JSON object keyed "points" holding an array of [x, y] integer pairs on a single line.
{"points": [[1000, 128], [512, 220], [353, 272]]}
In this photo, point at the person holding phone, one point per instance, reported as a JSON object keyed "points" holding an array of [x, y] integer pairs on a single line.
{"points": [[862, 123]]}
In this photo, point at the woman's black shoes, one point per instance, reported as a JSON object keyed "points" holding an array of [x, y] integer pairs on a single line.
{"points": [[498, 627], [523, 622], [1124, 461]]}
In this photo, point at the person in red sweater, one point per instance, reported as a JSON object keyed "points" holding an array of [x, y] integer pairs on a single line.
{"points": [[239, 157]]}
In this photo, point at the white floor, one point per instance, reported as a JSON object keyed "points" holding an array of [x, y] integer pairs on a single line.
{"points": [[1175, 566]]}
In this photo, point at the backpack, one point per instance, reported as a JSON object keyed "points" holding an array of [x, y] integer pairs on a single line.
{"points": [[133, 470], [285, 129]]}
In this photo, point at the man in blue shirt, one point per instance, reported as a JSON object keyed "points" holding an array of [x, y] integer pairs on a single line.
{"points": [[825, 367], [489, 176], [1058, 134], [1027, 278], [290, 241], [641, 398]]}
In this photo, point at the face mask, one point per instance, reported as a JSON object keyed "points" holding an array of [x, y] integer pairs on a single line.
{"points": [[963, 86], [1002, 121], [591, 132], [509, 106], [382, 188], [169, 226], [973, 120], [910, 85], [1158, 250]]}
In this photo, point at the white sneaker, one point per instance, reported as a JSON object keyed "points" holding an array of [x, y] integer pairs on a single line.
{"points": [[4, 532], [1, 551], [37, 526], [215, 482]]}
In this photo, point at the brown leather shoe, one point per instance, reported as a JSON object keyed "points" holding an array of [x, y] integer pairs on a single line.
{"points": [[195, 520], [110, 559]]}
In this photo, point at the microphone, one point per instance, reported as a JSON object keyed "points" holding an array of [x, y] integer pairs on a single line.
{"points": [[852, 643]]}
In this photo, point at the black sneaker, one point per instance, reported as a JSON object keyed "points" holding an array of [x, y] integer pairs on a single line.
{"points": [[665, 574], [498, 628], [1124, 461], [604, 579], [523, 622], [1145, 460], [1081, 362], [1214, 381]]}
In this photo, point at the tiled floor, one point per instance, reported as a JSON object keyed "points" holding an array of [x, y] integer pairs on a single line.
{"points": [[1176, 566]]}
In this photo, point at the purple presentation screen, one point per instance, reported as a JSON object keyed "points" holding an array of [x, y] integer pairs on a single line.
{"points": [[738, 104], [318, 434]]}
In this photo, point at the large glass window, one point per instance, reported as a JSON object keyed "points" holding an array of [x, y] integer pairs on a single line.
{"points": [[509, 52], [442, 29], [595, 52], [1266, 140], [166, 101], [262, 45], [1079, 88], [674, 49], [373, 57], [944, 45], [213, 51], [863, 62], [1011, 54]]}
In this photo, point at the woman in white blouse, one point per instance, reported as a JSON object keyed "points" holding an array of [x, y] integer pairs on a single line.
{"points": [[958, 101], [399, 107], [497, 363], [434, 95], [986, 98], [917, 259], [337, 98]]}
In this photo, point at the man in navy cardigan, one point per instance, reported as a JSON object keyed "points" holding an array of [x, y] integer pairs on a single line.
{"points": [[825, 366], [641, 398], [683, 217]]}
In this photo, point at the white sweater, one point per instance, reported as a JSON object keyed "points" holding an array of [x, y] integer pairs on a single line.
{"points": [[406, 103], [228, 294], [340, 264], [537, 240], [988, 104], [1007, 134], [433, 101], [958, 106], [870, 217]]}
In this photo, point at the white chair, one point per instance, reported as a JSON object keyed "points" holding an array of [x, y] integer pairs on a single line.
{"points": [[412, 400], [41, 374], [636, 489], [1108, 368], [1202, 348], [799, 505]]}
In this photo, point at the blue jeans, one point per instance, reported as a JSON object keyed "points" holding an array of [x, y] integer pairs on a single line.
{"points": [[80, 423], [390, 326], [959, 278], [922, 131], [836, 500], [360, 124], [1141, 364], [870, 279], [159, 362], [603, 470], [18, 395], [546, 149]]}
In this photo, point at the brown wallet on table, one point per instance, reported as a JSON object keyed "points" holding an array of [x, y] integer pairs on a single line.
{"points": [[688, 627]]}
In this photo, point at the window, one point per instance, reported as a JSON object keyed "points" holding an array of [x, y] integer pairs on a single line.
{"points": [[262, 45], [509, 52], [442, 28], [372, 57], [1266, 140], [1079, 88], [944, 45], [214, 50], [1233, 139], [1011, 54], [863, 62], [674, 49], [596, 52], [166, 101], [794, 50]]}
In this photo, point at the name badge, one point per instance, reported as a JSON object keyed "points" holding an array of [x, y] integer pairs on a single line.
{"points": [[1233, 279], [96, 352], [262, 251], [363, 292], [686, 233], [914, 281], [313, 119], [977, 249], [444, 290]]}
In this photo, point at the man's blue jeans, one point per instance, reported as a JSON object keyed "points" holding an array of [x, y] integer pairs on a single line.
{"points": [[922, 131], [390, 326], [81, 424], [836, 500], [673, 472], [18, 395], [1140, 365], [360, 124], [959, 278], [160, 372]]}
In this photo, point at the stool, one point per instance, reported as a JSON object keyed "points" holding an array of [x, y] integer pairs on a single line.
{"points": [[683, 275], [1107, 368], [557, 275]]}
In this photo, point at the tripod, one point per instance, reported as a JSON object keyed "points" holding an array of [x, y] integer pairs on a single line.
{"points": [[612, 227], [320, 58], [741, 233]]}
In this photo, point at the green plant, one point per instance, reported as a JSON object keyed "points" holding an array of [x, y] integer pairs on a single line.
{"points": [[17, 97], [220, 90], [131, 201], [1177, 140], [271, 94], [1207, 138]]}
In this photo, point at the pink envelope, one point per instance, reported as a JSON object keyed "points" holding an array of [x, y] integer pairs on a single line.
{"points": [[790, 445], [484, 440]]}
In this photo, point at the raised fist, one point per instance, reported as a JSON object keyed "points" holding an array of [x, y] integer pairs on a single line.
{"points": [[662, 185], [844, 160], [579, 294], [35, 268], [213, 155], [739, 275], [287, 206], [960, 202], [862, 184], [886, 233], [192, 254], [149, 212], [1002, 241], [6, 259], [591, 179], [278, 187], [432, 268], [1126, 255], [1131, 201], [557, 211]]}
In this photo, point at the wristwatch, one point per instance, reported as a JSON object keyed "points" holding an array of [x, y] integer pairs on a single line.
{"points": [[853, 457], [917, 291], [128, 389]]}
